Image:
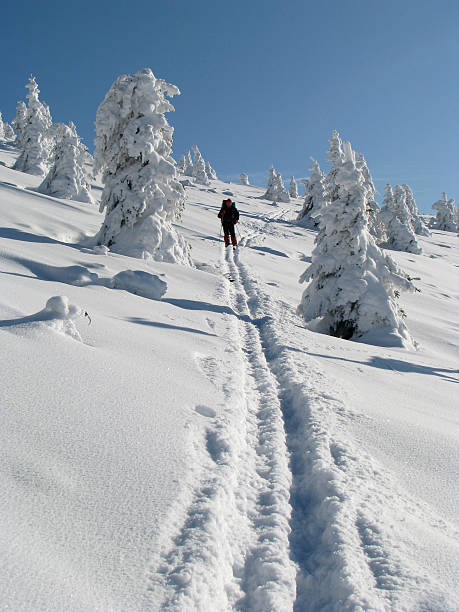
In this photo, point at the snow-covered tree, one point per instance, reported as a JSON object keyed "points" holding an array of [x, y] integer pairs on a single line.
{"points": [[417, 223], [68, 177], [293, 189], [188, 165], [199, 167], [446, 218], [8, 132], [275, 190], [19, 122], [211, 174], [395, 217], [36, 144], [181, 165], [142, 195], [353, 287], [335, 156], [244, 179], [375, 226], [316, 196], [2, 130]]}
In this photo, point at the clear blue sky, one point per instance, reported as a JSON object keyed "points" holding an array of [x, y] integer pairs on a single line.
{"points": [[262, 81]]}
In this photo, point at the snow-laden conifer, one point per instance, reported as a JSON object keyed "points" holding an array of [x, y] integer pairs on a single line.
{"points": [[36, 144], [188, 165], [293, 188], [244, 179], [396, 218], [315, 197], [142, 195], [275, 190], [335, 156], [181, 165], [211, 174], [68, 177], [2, 130], [199, 167], [446, 218], [375, 225], [417, 223], [8, 132], [19, 122], [353, 287]]}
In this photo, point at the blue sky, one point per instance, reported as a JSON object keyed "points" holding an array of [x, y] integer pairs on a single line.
{"points": [[262, 81]]}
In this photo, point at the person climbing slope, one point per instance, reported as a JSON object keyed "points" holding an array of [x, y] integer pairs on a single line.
{"points": [[229, 215]]}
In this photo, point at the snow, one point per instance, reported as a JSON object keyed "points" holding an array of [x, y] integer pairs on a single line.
{"points": [[189, 445]]}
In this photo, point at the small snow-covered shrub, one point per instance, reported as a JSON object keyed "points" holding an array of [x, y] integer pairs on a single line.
{"points": [[140, 283]]}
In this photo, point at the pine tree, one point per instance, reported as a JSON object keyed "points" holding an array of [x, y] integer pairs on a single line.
{"points": [[244, 179], [315, 198], [2, 129], [446, 218], [375, 226], [68, 177], [19, 122], [188, 166], [353, 286], [275, 190], [293, 190], [335, 156], [417, 223], [8, 132], [181, 165], [36, 143], [397, 222], [142, 195]]}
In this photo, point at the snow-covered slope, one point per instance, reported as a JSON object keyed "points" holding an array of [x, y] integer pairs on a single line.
{"points": [[189, 445]]}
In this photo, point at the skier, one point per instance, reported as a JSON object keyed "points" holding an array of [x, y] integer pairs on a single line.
{"points": [[229, 215]]}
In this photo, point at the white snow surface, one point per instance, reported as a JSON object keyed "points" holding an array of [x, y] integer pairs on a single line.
{"points": [[174, 438]]}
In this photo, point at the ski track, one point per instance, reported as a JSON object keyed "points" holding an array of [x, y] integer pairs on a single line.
{"points": [[277, 514]]}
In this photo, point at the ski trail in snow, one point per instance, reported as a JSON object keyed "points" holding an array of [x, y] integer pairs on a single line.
{"points": [[348, 558], [230, 548]]}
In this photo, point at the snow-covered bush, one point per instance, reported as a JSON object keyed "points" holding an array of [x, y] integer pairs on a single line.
{"points": [[211, 174], [293, 189], [142, 195], [244, 179], [353, 287], [275, 190], [140, 283], [446, 218], [418, 225], [199, 167], [396, 218], [316, 195], [68, 177], [35, 141]]}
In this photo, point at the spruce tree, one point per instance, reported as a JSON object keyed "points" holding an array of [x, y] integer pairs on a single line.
{"points": [[244, 179], [211, 174], [353, 287], [36, 144], [315, 197], [418, 225], [142, 195], [19, 122], [199, 167], [446, 218], [68, 177], [275, 190], [293, 189], [397, 222]]}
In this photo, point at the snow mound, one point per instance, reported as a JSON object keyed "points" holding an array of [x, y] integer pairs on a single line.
{"points": [[140, 283], [58, 314]]}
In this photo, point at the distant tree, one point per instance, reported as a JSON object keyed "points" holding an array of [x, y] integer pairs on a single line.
{"points": [[199, 167], [181, 165], [418, 225], [2, 129], [19, 122], [244, 179], [142, 195], [68, 176], [397, 222], [316, 196], [446, 218], [188, 165], [36, 144], [211, 174], [353, 287], [375, 227], [8, 132], [275, 190], [293, 189]]}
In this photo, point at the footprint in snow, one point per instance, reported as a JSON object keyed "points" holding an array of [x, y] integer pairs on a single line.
{"points": [[205, 411]]}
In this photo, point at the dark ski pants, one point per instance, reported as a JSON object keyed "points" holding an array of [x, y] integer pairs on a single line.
{"points": [[229, 230]]}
